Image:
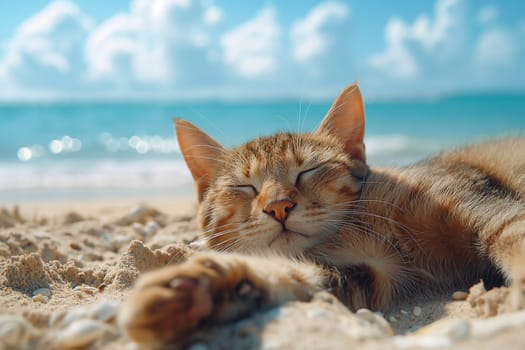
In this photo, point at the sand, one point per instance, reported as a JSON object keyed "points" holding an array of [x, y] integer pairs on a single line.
{"points": [[66, 267]]}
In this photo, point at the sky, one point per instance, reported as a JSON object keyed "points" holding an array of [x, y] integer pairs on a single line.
{"points": [[213, 49]]}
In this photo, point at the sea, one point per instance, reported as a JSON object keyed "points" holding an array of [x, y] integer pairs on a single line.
{"points": [[117, 149]]}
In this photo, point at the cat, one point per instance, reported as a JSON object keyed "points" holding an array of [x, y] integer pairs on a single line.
{"points": [[289, 215]]}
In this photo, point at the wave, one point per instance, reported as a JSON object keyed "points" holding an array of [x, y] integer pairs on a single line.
{"points": [[156, 173], [97, 174]]}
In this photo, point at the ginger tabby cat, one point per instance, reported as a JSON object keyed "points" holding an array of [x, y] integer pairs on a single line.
{"points": [[292, 214]]}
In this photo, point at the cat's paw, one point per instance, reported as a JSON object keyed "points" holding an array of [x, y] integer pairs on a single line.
{"points": [[170, 304]]}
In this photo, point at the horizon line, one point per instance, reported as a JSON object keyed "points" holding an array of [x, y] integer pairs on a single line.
{"points": [[255, 98]]}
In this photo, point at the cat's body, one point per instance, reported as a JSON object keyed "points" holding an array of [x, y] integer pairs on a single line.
{"points": [[437, 221], [314, 216]]}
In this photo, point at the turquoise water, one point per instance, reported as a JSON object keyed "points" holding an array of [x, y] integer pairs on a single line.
{"points": [[119, 147]]}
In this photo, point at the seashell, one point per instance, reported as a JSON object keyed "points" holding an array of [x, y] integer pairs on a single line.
{"points": [[42, 291], [459, 295], [80, 333], [104, 311]]}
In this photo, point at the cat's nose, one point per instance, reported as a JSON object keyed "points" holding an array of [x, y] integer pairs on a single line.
{"points": [[279, 209]]}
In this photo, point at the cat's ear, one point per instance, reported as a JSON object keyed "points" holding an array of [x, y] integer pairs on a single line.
{"points": [[346, 121], [201, 153]]}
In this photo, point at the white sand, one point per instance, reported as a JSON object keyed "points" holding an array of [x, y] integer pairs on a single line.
{"points": [[84, 253]]}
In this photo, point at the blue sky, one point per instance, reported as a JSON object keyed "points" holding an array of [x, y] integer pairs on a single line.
{"points": [[182, 49]]}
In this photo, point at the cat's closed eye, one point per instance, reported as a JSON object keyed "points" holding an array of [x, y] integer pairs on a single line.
{"points": [[305, 175], [248, 189]]}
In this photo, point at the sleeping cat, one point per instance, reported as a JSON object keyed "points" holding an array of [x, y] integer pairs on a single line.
{"points": [[292, 214]]}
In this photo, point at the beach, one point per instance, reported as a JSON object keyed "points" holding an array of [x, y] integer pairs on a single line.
{"points": [[67, 266], [93, 195], [95, 191]]}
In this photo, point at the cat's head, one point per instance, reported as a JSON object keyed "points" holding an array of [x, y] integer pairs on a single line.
{"points": [[283, 193]]}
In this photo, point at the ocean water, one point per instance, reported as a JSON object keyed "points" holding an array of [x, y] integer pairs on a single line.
{"points": [[62, 150]]}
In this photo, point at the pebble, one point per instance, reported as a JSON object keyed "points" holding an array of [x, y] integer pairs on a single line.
{"points": [[138, 214], [404, 312], [459, 295], [392, 319], [42, 291], [370, 318], [75, 246], [139, 228], [417, 311], [151, 228], [118, 241], [80, 333], [40, 298]]}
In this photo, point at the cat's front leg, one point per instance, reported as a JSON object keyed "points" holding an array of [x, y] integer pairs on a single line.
{"points": [[169, 304]]}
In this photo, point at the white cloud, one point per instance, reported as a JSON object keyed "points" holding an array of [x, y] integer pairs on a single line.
{"points": [[212, 15], [46, 48], [179, 48], [496, 47], [309, 37], [398, 60], [153, 42], [487, 14], [251, 49]]}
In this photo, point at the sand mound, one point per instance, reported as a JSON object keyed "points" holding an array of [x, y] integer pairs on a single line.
{"points": [[63, 277]]}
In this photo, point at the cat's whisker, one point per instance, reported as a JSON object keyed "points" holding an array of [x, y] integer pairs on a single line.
{"points": [[356, 202], [403, 227], [227, 244]]}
